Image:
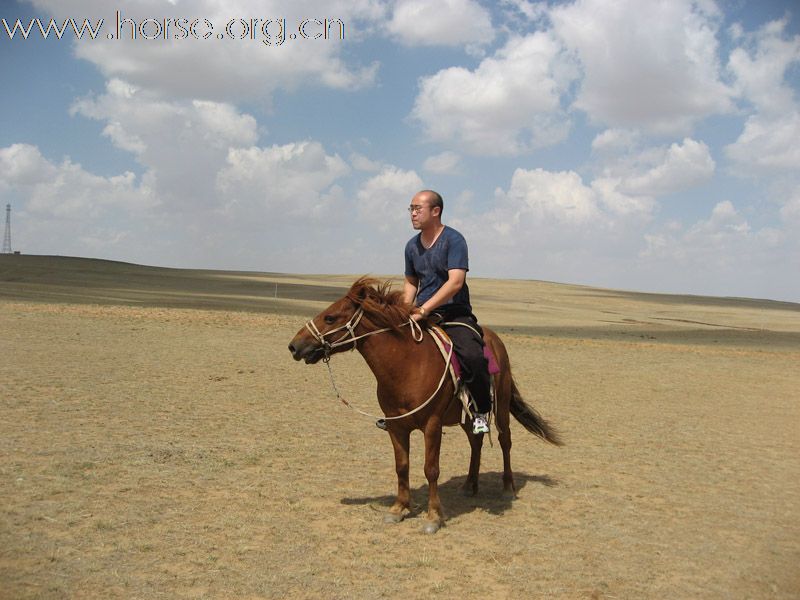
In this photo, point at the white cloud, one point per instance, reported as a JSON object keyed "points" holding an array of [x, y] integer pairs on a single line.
{"points": [[620, 202], [531, 11], [615, 140], [66, 190], [650, 65], [280, 183], [222, 123], [445, 163], [680, 167], [652, 171], [363, 163], [23, 164], [767, 144], [124, 139], [262, 199], [770, 141], [544, 209], [138, 112], [724, 219], [182, 144], [382, 199], [76, 194], [201, 166], [554, 226], [722, 255], [507, 105], [719, 246], [543, 197], [443, 23], [790, 211], [760, 66]]}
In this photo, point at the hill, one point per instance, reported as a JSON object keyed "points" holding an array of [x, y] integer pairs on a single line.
{"points": [[531, 307], [62, 279]]}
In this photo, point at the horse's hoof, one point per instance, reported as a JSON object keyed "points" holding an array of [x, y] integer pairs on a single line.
{"points": [[510, 494], [469, 491], [392, 518], [431, 527]]}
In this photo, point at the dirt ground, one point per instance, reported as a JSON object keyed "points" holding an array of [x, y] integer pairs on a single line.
{"points": [[163, 451]]}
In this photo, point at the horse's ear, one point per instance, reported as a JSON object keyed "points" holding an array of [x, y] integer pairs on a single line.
{"points": [[361, 290], [357, 294]]}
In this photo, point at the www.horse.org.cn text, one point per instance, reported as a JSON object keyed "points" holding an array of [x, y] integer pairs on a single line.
{"points": [[269, 31]]}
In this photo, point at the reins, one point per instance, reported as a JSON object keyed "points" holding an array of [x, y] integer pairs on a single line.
{"points": [[350, 337]]}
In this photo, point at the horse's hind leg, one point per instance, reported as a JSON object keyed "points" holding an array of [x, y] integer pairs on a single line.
{"points": [[402, 504], [470, 487], [503, 424]]}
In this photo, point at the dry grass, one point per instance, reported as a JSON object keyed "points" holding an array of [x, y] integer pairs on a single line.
{"points": [[165, 452]]}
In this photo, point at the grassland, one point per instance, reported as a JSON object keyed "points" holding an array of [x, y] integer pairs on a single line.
{"points": [[157, 441]]}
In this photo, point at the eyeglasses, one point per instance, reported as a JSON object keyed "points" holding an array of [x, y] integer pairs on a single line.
{"points": [[415, 209]]}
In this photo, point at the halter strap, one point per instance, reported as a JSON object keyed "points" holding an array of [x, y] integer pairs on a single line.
{"points": [[350, 337]]}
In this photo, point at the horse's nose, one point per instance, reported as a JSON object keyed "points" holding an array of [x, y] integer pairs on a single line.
{"points": [[294, 351]]}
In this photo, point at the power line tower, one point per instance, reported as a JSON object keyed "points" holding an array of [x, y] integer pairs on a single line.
{"points": [[7, 236]]}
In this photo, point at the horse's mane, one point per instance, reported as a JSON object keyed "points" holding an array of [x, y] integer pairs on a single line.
{"points": [[382, 306]]}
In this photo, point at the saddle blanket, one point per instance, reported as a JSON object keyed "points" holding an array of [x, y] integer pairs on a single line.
{"points": [[494, 367]]}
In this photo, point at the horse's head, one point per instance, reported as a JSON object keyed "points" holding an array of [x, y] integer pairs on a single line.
{"points": [[334, 329], [327, 333]]}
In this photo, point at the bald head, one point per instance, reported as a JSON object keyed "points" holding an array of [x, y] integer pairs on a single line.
{"points": [[431, 198], [426, 210]]}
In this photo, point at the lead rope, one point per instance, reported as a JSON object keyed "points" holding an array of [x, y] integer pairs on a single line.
{"points": [[415, 331]]}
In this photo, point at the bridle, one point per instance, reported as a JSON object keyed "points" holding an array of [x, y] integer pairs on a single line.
{"points": [[350, 337]]}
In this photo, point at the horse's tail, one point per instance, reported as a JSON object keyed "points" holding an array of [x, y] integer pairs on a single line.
{"points": [[530, 419]]}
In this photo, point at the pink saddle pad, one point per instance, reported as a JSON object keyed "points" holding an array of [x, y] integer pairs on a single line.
{"points": [[494, 366]]}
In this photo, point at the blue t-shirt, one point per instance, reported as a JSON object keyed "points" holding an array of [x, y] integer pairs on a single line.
{"points": [[430, 266]]}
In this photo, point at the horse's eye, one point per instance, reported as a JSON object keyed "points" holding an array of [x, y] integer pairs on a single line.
{"points": [[330, 319]]}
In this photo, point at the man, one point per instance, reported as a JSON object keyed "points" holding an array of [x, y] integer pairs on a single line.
{"points": [[436, 265]]}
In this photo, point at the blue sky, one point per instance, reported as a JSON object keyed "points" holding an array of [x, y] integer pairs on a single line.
{"points": [[629, 144]]}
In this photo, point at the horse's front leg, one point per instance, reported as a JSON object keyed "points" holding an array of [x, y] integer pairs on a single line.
{"points": [[433, 444], [476, 444], [402, 504]]}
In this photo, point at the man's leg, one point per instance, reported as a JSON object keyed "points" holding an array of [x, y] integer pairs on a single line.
{"points": [[468, 347]]}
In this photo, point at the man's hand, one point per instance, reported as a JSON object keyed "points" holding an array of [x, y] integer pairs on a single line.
{"points": [[416, 314]]}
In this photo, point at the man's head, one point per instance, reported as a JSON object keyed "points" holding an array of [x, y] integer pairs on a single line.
{"points": [[426, 209]]}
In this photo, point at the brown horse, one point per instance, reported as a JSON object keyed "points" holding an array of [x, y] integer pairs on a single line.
{"points": [[408, 365]]}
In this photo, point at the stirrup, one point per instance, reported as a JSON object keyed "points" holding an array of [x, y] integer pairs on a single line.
{"points": [[381, 424]]}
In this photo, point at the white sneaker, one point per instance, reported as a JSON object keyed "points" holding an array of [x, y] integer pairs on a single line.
{"points": [[480, 424]]}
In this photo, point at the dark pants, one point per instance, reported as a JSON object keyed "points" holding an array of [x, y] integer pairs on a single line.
{"points": [[468, 347]]}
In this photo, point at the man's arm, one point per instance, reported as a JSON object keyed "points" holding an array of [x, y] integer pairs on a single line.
{"points": [[410, 289], [454, 283]]}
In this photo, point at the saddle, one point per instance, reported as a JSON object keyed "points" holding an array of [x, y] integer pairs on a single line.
{"points": [[445, 346]]}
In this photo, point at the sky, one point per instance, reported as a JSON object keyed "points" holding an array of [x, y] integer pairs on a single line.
{"points": [[630, 144]]}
